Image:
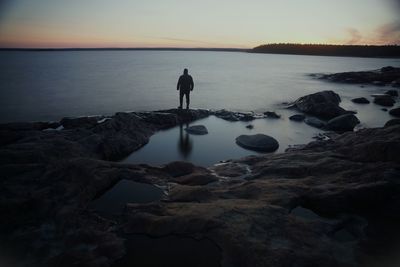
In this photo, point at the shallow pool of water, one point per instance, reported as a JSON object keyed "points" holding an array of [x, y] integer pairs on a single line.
{"points": [[114, 200]]}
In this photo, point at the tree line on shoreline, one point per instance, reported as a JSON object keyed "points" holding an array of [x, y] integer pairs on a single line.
{"points": [[330, 50]]}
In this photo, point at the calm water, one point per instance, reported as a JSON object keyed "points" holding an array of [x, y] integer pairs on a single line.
{"points": [[51, 85]]}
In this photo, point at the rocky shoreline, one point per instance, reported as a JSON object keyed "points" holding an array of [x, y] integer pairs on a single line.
{"points": [[329, 203]]}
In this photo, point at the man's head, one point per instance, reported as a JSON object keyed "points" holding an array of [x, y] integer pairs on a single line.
{"points": [[185, 71]]}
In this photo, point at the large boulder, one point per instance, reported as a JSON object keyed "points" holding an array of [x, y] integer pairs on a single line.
{"points": [[197, 130], [323, 104], [258, 142], [395, 112], [384, 100], [343, 123], [360, 100]]}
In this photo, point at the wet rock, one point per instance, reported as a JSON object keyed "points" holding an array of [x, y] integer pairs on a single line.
{"points": [[81, 122], [226, 115], [258, 142], [343, 123], [395, 112], [392, 93], [250, 126], [384, 100], [323, 105], [360, 100], [384, 109], [179, 168], [271, 115], [197, 130], [383, 76], [317, 123], [297, 117], [198, 178], [392, 122]]}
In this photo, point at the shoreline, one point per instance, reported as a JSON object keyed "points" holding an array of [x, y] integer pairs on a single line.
{"points": [[329, 202]]}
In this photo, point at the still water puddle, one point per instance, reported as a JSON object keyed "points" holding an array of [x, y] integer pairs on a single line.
{"points": [[125, 191], [219, 144]]}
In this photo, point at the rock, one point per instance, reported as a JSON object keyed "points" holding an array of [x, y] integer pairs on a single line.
{"points": [[258, 142], [395, 112], [297, 117], [179, 168], [271, 115], [392, 93], [360, 100], [323, 105], [383, 76], [250, 126], [226, 115], [384, 100], [384, 109], [396, 83], [195, 179], [315, 122], [197, 130], [343, 123], [392, 122], [81, 122]]}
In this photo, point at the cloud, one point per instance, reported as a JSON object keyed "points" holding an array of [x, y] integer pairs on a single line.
{"points": [[355, 36], [390, 32]]}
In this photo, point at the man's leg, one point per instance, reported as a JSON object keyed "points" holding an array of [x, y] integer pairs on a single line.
{"points": [[187, 100], [180, 98]]}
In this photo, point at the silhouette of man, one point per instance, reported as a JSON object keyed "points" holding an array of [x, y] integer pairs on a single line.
{"points": [[185, 85]]}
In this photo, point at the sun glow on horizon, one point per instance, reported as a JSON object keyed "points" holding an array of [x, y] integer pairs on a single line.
{"points": [[190, 23]]}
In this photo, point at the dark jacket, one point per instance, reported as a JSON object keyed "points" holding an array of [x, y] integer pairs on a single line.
{"points": [[185, 83]]}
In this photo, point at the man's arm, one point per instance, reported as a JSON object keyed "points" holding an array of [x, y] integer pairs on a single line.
{"points": [[191, 83], [179, 83]]}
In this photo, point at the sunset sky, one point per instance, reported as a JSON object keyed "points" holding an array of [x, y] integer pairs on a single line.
{"points": [[195, 23]]}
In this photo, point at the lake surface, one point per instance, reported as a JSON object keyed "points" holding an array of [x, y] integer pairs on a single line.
{"points": [[38, 86]]}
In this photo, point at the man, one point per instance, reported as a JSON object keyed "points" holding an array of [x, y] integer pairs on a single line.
{"points": [[185, 85]]}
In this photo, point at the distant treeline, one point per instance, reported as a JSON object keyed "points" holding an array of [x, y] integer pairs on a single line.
{"points": [[330, 50]]}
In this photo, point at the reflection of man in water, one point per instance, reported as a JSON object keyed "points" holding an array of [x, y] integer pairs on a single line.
{"points": [[185, 144], [185, 85]]}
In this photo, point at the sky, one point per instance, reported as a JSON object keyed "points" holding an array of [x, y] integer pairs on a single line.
{"points": [[196, 23]]}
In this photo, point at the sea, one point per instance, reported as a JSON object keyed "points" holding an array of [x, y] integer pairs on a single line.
{"points": [[50, 85]]}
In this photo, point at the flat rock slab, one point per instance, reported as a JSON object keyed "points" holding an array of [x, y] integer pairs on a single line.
{"points": [[197, 130], [258, 142]]}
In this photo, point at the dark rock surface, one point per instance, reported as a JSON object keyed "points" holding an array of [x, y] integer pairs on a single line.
{"points": [[384, 100], [234, 116], [360, 100], [343, 123], [329, 203], [197, 129], [384, 76], [392, 92], [395, 112], [324, 105], [297, 117], [392, 122], [317, 123], [271, 115], [258, 142]]}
